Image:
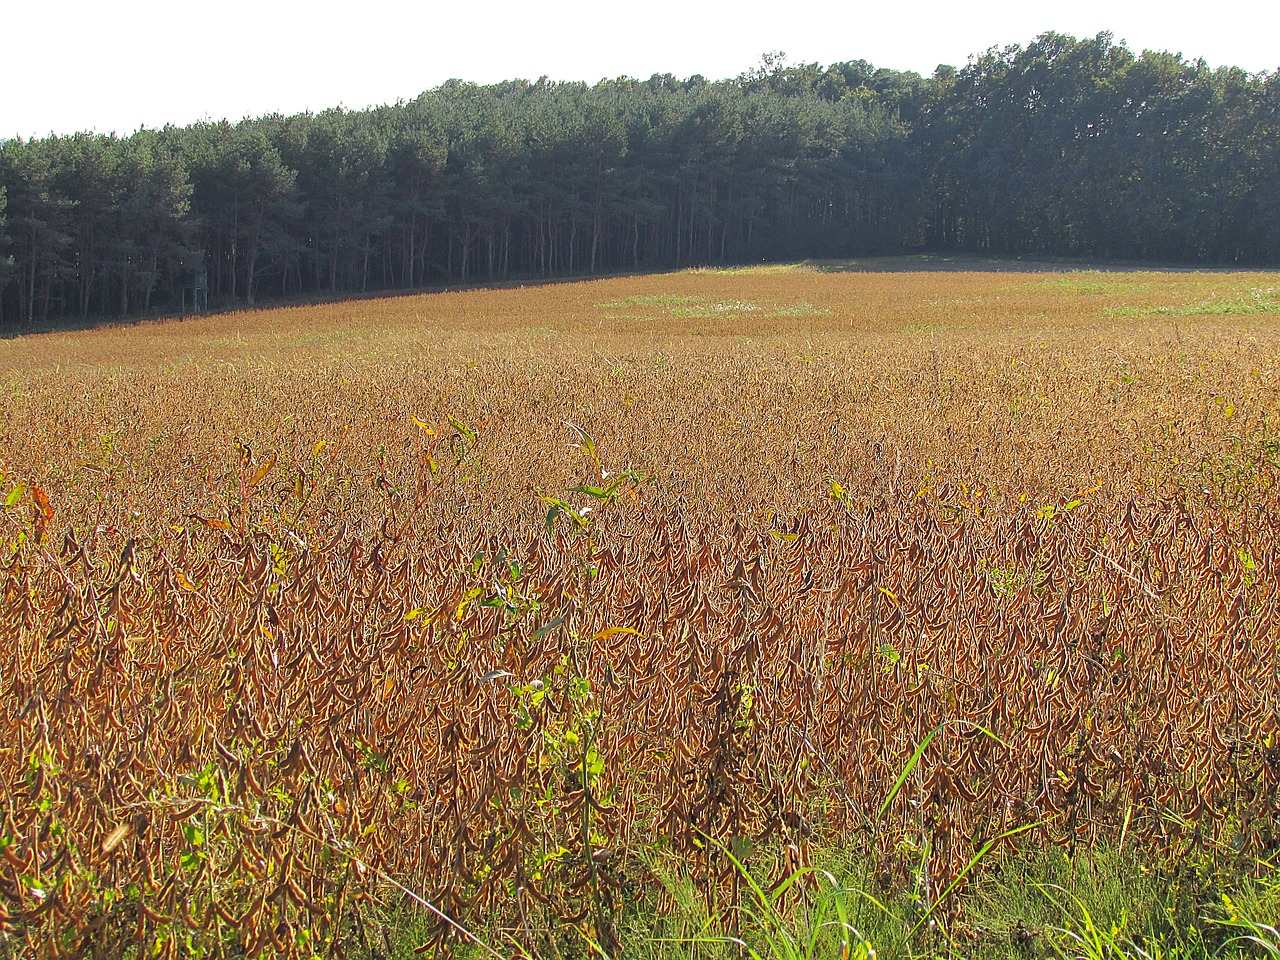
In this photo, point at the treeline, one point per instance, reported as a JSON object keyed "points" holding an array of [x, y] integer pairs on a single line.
{"points": [[1063, 147]]}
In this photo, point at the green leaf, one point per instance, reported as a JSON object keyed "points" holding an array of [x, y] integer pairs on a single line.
{"points": [[585, 441], [462, 428], [906, 771], [968, 867], [558, 507], [547, 627]]}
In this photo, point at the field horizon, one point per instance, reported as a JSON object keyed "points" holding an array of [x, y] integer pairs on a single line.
{"points": [[920, 262]]}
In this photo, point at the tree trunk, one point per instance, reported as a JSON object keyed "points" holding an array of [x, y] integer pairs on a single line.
{"points": [[151, 285], [251, 267], [233, 267], [595, 236], [409, 253], [364, 269]]}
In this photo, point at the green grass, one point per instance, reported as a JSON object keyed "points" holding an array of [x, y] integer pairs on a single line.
{"points": [[762, 269], [679, 307], [1097, 283], [1024, 904], [1259, 300], [661, 300]]}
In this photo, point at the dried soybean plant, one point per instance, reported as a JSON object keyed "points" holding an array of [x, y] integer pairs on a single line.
{"points": [[408, 657], [228, 739]]}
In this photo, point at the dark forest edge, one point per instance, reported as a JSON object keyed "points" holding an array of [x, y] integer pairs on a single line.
{"points": [[1063, 148]]}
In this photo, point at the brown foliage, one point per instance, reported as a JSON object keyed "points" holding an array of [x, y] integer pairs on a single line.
{"points": [[246, 687]]}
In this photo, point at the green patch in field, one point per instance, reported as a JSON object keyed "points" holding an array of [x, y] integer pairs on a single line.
{"points": [[659, 300], [726, 309], [762, 269], [680, 307], [1254, 302], [1092, 283], [801, 309], [1259, 300]]}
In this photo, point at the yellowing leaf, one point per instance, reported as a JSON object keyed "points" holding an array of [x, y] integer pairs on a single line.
{"points": [[15, 495], [262, 470], [465, 601], [42, 502], [44, 512], [608, 632]]}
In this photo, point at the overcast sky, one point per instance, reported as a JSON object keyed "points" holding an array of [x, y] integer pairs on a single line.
{"points": [[115, 66]]}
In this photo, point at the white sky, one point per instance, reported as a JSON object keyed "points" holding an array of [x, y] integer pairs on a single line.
{"points": [[115, 65]]}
